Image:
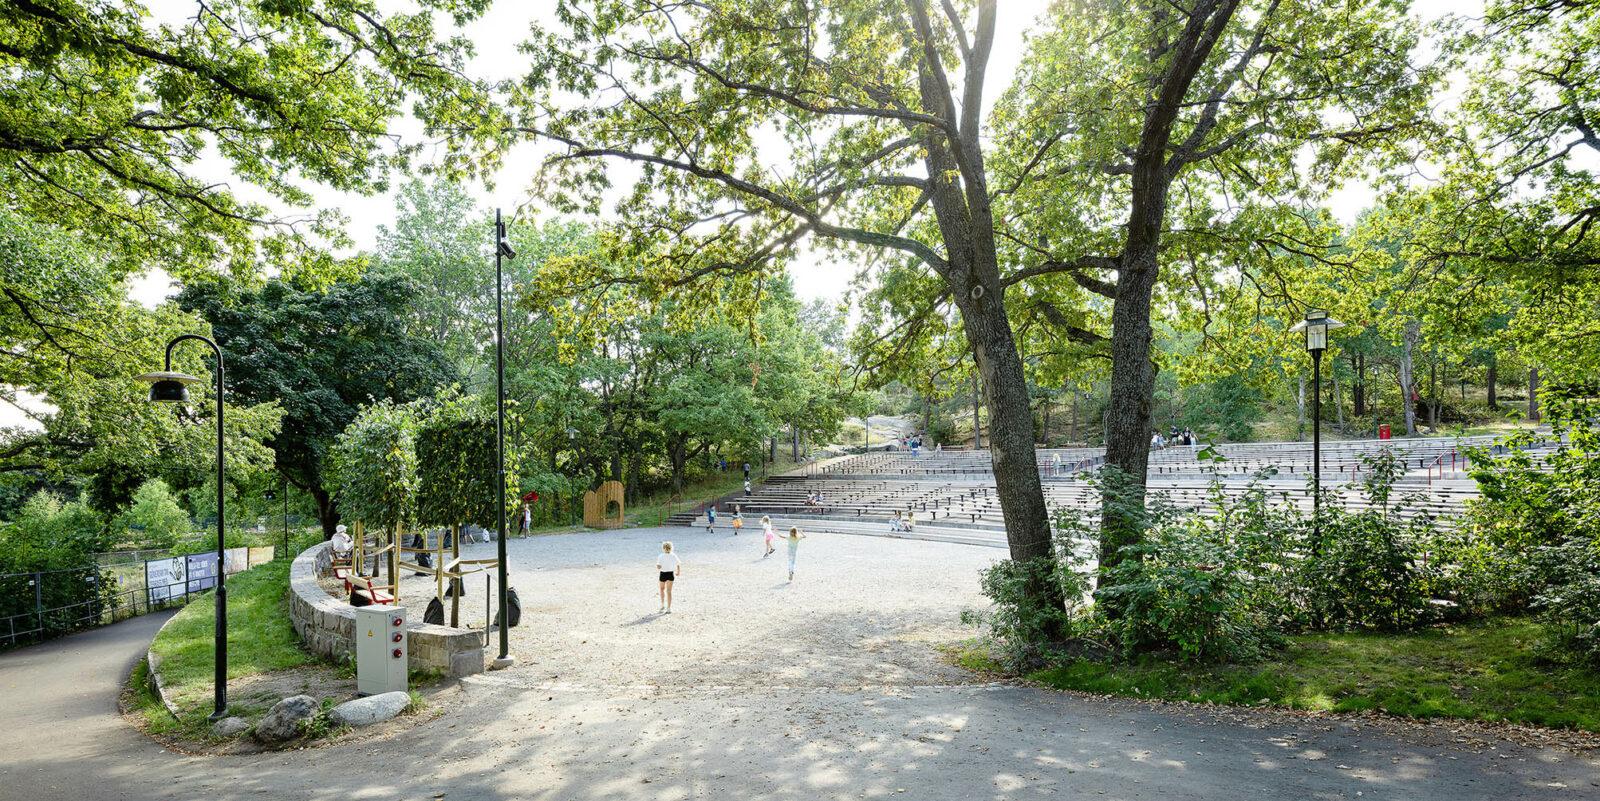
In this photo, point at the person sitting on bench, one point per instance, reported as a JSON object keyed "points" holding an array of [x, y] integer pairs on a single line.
{"points": [[342, 544]]}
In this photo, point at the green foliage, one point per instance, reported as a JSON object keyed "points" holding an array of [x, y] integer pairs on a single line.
{"points": [[319, 355], [155, 513], [456, 467], [1190, 588], [1026, 632], [48, 534], [374, 466], [1543, 515], [110, 108]]}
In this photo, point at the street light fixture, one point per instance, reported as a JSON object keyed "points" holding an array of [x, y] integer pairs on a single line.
{"points": [[1316, 325], [502, 251], [173, 387]]}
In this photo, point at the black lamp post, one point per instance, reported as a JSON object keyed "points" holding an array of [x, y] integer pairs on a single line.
{"points": [[1316, 325], [502, 251], [170, 387]]}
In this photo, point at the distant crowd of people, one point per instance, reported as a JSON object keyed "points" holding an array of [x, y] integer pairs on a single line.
{"points": [[1174, 437]]}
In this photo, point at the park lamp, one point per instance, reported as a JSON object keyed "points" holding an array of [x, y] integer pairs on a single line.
{"points": [[1316, 325], [169, 387]]}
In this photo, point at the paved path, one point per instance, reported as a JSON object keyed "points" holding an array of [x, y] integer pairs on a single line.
{"points": [[589, 739]]}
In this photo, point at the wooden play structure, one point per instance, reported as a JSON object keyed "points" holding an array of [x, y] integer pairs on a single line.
{"points": [[602, 507], [397, 556]]}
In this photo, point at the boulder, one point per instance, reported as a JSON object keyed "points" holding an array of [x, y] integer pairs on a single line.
{"points": [[229, 727], [370, 710], [282, 721]]}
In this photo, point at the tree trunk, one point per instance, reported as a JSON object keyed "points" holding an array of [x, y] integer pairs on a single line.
{"points": [[1358, 390], [676, 456], [1133, 378], [927, 413], [1044, 425], [1491, 381], [772, 449], [977, 422], [1338, 408], [1300, 411], [794, 431], [327, 511], [1408, 379], [1073, 430], [1433, 395], [1011, 436], [1533, 394]]}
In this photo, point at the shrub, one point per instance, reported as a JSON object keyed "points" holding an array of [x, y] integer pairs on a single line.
{"points": [[156, 512], [1367, 568], [1190, 590], [1543, 513], [1025, 634]]}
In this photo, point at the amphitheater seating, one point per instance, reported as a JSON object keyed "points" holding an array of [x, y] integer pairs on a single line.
{"points": [[951, 495]]}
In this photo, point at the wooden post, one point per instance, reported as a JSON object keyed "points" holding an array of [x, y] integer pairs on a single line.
{"points": [[455, 583], [396, 536]]}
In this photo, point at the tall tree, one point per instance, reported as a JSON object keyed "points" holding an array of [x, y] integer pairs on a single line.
{"points": [[320, 356], [1180, 141], [881, 103], [439, 241]]}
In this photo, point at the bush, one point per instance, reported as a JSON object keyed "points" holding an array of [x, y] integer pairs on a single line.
{"points": [[1543, 515], [1186, 589], [155, 512], [1368, 568]]}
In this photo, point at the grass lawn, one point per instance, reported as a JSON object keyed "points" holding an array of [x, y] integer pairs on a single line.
{"points": [[260, 640], [1486, 671]]}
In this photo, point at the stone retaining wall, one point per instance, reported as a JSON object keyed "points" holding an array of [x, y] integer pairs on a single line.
{"points": [[327, 625]]}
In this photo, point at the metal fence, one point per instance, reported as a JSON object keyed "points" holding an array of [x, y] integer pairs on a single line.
{"points": [[43, 604]]}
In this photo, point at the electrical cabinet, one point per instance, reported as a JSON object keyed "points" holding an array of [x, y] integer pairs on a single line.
{"points": [[381, 652]]}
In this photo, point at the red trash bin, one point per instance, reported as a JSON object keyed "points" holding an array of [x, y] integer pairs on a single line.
{"points": [[1383, 431]]}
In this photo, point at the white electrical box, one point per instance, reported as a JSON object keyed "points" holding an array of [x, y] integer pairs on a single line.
{"points": [[381, 654]]}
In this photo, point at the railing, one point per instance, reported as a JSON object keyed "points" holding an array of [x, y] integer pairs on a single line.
{"points": [[43, 604]]}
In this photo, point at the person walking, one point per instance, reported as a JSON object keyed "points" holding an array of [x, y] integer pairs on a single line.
{"points": [[669, 566], [768, 535], [747, 488], [711, 518], [794, 547]]}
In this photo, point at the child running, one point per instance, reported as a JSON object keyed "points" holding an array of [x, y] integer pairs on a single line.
{"points": [[738, 520], [766, 526], [669, 566], [711, 519], [794, 547]]}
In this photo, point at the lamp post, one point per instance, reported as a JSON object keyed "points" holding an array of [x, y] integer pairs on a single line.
{"points": [[171, 387], [1316, 325], [502, 251]]}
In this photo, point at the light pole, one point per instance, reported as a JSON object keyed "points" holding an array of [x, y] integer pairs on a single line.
{"points": [[502, 251], [170, 387], [1316, 325]]}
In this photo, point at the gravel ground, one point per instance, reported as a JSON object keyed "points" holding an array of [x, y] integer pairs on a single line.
{"points": [[861, 612]]}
